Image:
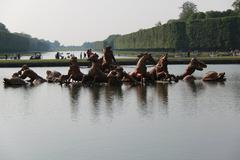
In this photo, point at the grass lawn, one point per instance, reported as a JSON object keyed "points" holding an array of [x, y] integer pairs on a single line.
{"points": [[65, 62]]}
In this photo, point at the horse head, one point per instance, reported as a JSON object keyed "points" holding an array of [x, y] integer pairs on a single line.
{"points": [[198, 65], [73, 60], [163, 61], [144, 57], [15, 75], [93, 58]]}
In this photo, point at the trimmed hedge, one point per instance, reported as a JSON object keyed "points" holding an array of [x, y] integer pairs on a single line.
{"points": [[205, 34]]}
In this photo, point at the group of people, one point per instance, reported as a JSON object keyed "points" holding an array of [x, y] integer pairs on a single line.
{"points": [[15, 57], [106, 70]]}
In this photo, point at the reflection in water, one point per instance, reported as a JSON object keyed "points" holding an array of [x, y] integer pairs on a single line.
{"points": [[141, 92], [27, 103], [95, 99], [235, 87], [21, 95], [194, 90], [195, 86], [113, 97], [213, 123], [74, 94], [214, 84], [161, 90], [74, 99], [112, 92], [161, 96]]}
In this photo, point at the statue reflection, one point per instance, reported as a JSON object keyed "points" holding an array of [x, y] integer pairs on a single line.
{"points": [[24, 97], [74, 95], [113, 94], [95, 99], [214, 83], [161, 90], [141, 93], [196, 87], [113, 97]]}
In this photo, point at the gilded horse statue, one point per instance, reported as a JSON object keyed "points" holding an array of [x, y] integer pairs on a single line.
{"points": [[53, 76], [95, 74], [117, 76], [34, 78], [193, 65], [23, 73], [140, 71], [160, 70], [214, 76], [15, 80], [198, 65], [108, 60], [74, 72]]}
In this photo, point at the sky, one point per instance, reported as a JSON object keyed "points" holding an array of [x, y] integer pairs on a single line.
{"points": [[73, 22]]}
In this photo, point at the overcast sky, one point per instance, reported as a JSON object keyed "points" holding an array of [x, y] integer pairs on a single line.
{"points": [[73, 22]]}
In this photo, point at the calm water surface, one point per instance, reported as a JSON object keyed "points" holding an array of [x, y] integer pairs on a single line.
{"points": [[183, 121]]}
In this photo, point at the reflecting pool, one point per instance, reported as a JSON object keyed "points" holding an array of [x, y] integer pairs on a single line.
{"points": [[180, 121]]}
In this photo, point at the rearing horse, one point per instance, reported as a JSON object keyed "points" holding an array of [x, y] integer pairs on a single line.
{"points": [[193, 65], [141, 69], [160, 70], [108, 59], [95, 74]]}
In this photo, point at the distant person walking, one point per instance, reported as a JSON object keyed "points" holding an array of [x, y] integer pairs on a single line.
{"points": [[188, 53], [57, 55], [81, 56], [18, 56]]}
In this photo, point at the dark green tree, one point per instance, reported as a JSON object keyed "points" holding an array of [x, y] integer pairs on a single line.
{"points": [[188, 8], [3, 28], [236, 5], [197, 16], [56, 43], [158, 24]]}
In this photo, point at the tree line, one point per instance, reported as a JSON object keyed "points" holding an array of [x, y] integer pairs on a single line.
{"points": [[20, 42], [99, 45], [205, 31], [206, 35]]}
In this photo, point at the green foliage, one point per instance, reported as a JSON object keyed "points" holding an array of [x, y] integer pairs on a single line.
{"points": [[197, 16], [214, 34], [110, 41], [201, 34], [3, 28], [56, 43], [172, 20], [167, 36], [201, 15], [188, 8], [206, 34], [86, 45], [218, 14], [236, 5], [159, 23], [12, 43], [99, 45], [19, 42]]}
